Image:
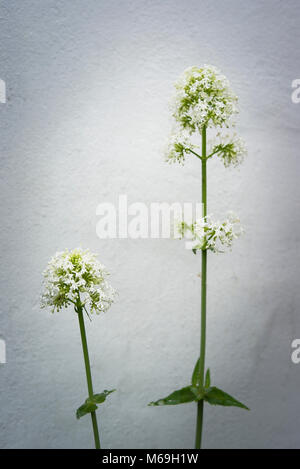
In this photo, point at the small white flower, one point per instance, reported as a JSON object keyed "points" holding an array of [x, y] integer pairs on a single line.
{"points": [[208, 234], [73, 276], [230, 148], [178, 146], [203, 98]]}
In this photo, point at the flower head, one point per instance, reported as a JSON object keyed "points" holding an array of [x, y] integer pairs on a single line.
{"points": [[208, 234], [178, 146], [231, 149], [76, 276], [203, 98]]}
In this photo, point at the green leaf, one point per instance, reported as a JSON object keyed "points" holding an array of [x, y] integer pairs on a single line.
{"points": [[215, 396], [100, 398], [196, 374], [85, 409], [182, 396], [207, 379], [90, 404]]}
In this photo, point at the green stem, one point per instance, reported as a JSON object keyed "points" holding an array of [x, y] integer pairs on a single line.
{"points": [[200, 406], [203, 298], [194, 153], [88, 373]]}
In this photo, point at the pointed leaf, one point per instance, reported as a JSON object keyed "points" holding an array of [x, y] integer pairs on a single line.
{"points": [[90, 404], [196, 374], [207, 379], [85, 409], [100, 398], [215, 396], [181, 396]]}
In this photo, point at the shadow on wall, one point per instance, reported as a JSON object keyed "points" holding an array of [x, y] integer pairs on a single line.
{"points": [[280, 323]]}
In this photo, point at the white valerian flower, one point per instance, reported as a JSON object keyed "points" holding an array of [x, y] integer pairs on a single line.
{"points": [[76, 276], [178, 146], [203, 98], [209, 234], [230, 148]]}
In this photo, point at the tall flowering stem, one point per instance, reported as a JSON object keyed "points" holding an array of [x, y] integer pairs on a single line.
{"points": [[200, 404], [204, 100], [76, 278]]}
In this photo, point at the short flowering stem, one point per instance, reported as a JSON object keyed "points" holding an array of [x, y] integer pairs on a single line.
{"points": [[203, 298], [79, 310], [194, 153], [212, 154]]}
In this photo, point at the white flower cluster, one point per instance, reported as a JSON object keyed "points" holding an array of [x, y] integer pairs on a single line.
{"points": [[178, 146], [76, 277], [231, 149], [208, 234], [204, 98]]}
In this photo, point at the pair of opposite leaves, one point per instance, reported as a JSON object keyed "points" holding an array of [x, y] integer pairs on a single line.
{"points": [[191, 393]]}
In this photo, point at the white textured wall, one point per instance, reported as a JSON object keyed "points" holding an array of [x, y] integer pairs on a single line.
{"points": [[88, 85]]}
